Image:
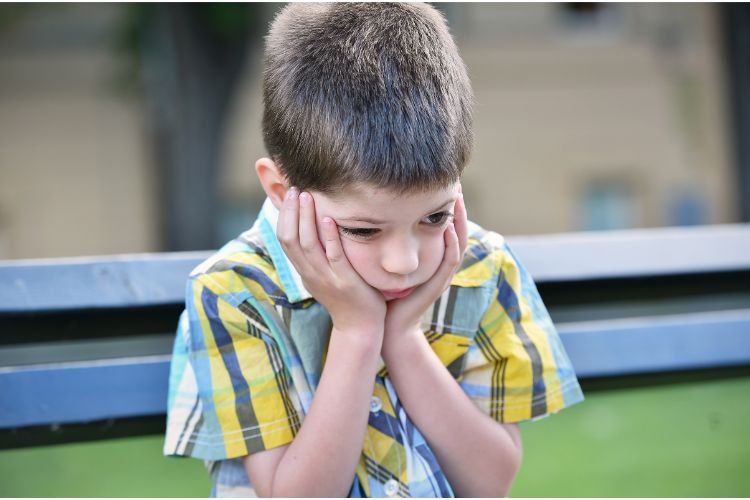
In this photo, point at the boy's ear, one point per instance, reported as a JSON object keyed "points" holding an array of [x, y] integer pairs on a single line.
{"points": [[272, 180]]}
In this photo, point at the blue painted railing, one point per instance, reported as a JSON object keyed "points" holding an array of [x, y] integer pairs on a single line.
{"points": [[88, 339]]}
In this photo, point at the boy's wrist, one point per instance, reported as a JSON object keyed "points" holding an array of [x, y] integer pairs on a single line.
{"points": [[367, 339], [397, 331], [398, 341]]}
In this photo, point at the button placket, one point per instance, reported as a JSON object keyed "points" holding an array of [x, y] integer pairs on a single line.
{"points": [[375, 404], [391, 488]]}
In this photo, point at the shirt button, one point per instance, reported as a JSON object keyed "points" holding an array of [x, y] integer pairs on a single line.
{"points": [[375, 404], [391, 487]]}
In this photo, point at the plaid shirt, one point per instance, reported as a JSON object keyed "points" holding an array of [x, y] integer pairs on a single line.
{"points": [[251, 342]]}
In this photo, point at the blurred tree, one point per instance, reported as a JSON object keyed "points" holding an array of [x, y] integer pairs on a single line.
{"points": [[190, 58]]}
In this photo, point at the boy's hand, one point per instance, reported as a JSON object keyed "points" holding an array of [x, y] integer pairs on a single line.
{"points": [[354, 305], [404, 315]]}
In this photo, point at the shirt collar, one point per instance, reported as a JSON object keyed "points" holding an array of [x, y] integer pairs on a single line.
{"points": [[288, 275]]}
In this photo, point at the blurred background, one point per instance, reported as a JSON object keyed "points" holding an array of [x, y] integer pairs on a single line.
{"points": [[131, 128], [135, 128]]}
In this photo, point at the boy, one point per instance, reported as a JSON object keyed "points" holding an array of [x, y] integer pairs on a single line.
{"points": [[363, 338]]}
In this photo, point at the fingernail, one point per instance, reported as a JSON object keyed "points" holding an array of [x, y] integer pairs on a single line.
{"points": [[291, 193], [304, 197]]}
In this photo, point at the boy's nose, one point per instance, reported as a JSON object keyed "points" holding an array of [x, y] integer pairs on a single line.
{"points": [[401, 257]]}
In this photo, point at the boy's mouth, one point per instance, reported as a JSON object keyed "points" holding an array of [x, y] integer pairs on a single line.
{"points": [[396, 294]]}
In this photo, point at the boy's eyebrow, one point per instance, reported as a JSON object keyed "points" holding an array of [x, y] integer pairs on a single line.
{"points": [[370, 220]]}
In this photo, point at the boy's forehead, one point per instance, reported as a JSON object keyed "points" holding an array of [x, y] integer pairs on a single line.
{"points": [[370, 201]]}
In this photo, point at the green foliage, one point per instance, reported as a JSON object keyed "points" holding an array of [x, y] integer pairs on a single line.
{"points": [[229, 21], [127, 45], [221, 22]]}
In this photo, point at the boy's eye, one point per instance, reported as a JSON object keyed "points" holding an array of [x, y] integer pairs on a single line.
{"points": [[359, 232], [437, 219]]}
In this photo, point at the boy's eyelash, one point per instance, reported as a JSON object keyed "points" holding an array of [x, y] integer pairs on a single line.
{"points": [[361, 232], [367, 232]]}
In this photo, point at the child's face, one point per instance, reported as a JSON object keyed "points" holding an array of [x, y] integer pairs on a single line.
{"points": [[395, 242]]}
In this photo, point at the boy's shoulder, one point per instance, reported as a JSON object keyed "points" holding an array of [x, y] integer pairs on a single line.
{"points": [[481, 238], [240, 264], [486, 252]]}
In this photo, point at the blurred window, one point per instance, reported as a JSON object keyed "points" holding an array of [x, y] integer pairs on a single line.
{"points": [[608, 205], [687, 208]]}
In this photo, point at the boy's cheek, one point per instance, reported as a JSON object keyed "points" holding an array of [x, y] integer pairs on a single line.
{"points": [[361, 260], [357, 258]]}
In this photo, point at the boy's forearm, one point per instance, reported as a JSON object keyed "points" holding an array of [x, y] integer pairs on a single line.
{"points": [[479, 456], [322, 459]]}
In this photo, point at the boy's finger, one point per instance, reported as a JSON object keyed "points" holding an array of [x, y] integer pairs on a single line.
{"points": [[451, 259], [287, 231], [287, 226], [308, 231], [444, 274], [308, 237], [461, 224], [452, 256], [334, 250]]}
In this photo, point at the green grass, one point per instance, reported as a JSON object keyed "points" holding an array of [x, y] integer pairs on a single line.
{"points": [[689, 440], [132, 467]]}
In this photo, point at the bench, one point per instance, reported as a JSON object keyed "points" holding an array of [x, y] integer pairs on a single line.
{"points": [[86, 342]]}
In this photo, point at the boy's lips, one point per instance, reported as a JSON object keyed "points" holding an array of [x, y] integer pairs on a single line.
{"points": [[396, 294]]}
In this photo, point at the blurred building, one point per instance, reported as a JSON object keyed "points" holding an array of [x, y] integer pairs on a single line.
{"points": [[587, 117], [75, 169]]}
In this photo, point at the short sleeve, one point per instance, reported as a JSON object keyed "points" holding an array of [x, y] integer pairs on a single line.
{"points": [[230, 392], [516, 368]]}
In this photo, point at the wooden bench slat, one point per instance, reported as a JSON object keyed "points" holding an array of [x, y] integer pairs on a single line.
{"points": [[83, 391], [117, 388], [154, 279], [658, 344], [635, 252], [113, 282]]}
